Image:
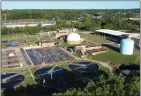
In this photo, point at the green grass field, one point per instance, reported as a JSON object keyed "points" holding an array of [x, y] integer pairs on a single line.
{"points": [[29, 38], [94, 38], [32, 37], [116, 57]]}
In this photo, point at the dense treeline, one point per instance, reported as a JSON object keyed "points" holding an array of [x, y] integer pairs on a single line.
{"points": [[88, 24], [64, 14], [108, 86], [43, 14], [81, 19]]}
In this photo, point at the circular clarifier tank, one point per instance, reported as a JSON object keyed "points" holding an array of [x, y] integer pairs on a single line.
{"points": [[126, 46], [53, 77], [84, 66], [11, 80], [50, 73]]}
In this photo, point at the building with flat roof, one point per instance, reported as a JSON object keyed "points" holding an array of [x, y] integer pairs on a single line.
{"points": [[136, 41], [46, 43], [115, 35], [23, 24], [111, 32]]}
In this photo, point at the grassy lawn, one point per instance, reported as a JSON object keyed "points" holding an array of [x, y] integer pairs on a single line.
{"points": [[32, 37], [3, 45], [29, 38], [94, 38], [115, 57], [10, 36]]}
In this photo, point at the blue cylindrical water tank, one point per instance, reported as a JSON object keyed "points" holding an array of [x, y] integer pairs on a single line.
{"points": [[126, 46]]}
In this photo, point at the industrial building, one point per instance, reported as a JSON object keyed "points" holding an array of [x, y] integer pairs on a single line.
{"points": [[23, 24], [46, 43], [12, 58], [83, 49], [115, 36], [62, 32], [66, 30], [46, 33], [136, 41]]}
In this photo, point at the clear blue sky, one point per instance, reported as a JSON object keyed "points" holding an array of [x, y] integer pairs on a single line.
{"points": [[70, 4]]}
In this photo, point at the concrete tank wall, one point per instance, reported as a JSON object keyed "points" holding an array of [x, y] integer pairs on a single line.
{"points": [[126, 46]]}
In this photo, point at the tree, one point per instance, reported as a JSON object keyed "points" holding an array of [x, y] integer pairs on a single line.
{"points": [[109, 86]]}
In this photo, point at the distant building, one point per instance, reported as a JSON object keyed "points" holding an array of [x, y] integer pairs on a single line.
{"points": [[6, 9], [44, 33], [83, 49], [23, 24], [66, 30], [135, 18], [115, 36], [63, 31], [46, 43], [136, 41]]}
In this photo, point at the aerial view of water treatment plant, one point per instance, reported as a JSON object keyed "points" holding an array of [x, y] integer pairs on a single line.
{"points": [[77, 51]]}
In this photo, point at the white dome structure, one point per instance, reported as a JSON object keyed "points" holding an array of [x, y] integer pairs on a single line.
{"points": [[74, 38]]}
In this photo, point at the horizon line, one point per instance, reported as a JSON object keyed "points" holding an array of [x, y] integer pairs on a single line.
{"points": [[71, 9]]}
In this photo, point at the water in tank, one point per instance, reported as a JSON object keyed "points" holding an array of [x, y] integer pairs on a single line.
{"points": [[126, 46]]}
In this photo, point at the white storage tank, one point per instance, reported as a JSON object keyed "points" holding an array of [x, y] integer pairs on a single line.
{"points": [[127, 46], [74, 38]]}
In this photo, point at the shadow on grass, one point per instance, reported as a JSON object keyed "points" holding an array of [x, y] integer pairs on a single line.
{"points": [[92, 33], [111, 47]]}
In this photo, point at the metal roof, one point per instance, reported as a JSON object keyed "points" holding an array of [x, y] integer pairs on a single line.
{"points": [[24, 23], [111, 32], [117, 33], [137, 37]]}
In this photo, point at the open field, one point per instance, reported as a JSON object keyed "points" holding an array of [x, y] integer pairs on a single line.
{"points": [[94, 38], [31, 37], [115, 57], [22, 38]]}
